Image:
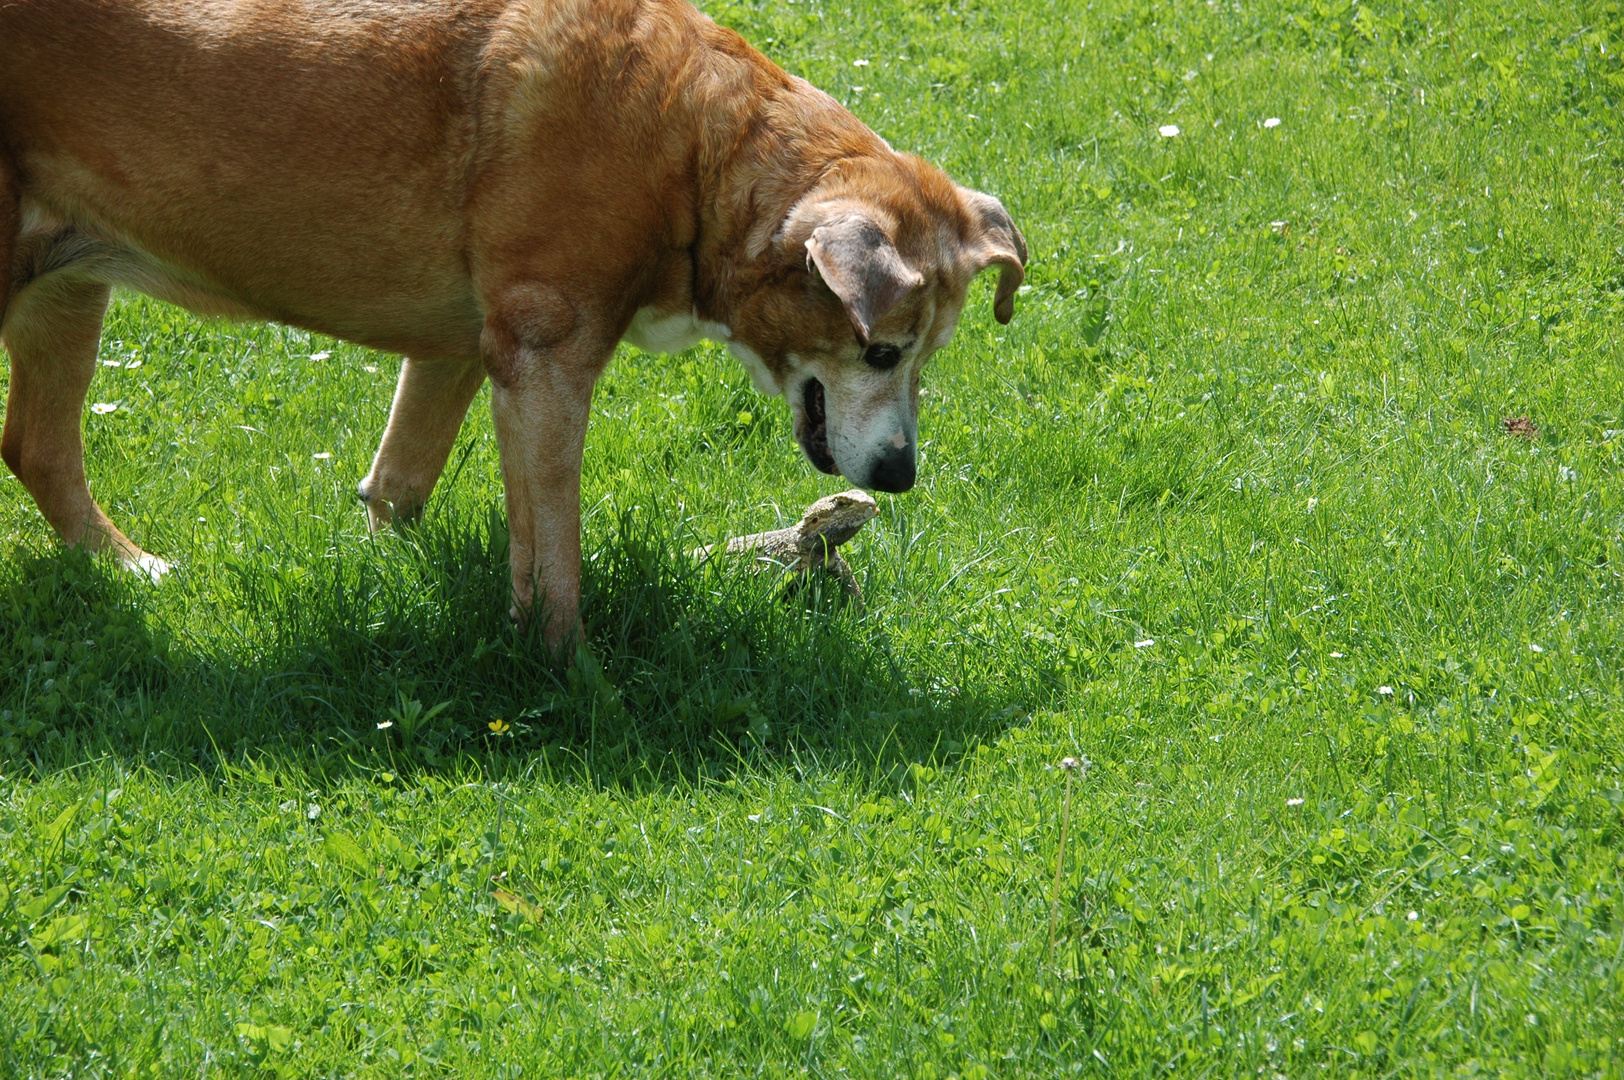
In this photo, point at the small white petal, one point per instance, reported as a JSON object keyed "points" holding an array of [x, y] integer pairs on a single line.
{"points": [[1145, 644], [1535, 648], [323, 456], [1294, 802], [1168, 131], [1336, 656], [102, 408], [1272, 122], [859, 63], [320, 355], [1385, 691]]}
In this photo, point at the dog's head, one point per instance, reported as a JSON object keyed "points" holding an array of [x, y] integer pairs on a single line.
{"points": [[864, 279]]}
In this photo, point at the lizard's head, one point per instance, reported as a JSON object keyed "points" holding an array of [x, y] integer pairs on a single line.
{"points": [[834, 519]]}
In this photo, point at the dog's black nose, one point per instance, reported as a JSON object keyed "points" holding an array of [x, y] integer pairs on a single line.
{"points": [[894, 471]]}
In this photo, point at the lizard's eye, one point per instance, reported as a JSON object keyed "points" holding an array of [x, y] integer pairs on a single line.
{"points": [[882, 356]]}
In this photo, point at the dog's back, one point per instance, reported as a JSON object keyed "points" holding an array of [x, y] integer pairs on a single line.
{"points": [[299, 161]]}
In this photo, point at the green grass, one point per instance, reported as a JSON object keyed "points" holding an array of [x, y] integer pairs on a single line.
{"points": [[1228, 509]]}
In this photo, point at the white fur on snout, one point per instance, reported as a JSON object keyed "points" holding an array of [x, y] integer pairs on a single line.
{"points": [[870, 417]]}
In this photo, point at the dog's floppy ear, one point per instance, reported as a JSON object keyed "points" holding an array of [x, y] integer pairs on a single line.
{"points": [[997, 242], [862, 266]]}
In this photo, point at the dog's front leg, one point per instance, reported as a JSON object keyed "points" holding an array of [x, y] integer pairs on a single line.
{"points": [[541, 396]]}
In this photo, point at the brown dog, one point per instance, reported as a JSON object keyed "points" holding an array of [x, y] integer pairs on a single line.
{"points": [[502, 188]]}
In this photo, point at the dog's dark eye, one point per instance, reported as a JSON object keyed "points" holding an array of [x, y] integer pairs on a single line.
{"points": [[882, 357]]}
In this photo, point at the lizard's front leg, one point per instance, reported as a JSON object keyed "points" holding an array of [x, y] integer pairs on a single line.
{"points": [[543, 365]]}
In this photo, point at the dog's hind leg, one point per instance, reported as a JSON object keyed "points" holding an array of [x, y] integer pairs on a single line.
{"points": [[431, 399], [52, 327]]}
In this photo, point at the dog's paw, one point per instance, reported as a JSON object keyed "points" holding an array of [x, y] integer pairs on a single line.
{"points": [[147, 566]]}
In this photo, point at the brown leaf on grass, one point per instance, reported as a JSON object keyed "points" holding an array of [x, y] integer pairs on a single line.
{"points": [[1520, 426]]}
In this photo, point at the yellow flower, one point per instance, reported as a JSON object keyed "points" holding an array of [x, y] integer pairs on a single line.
{"points": [[500, 726]]}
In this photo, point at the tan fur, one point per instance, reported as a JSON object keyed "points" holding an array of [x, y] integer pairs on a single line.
{"points": [[491, 187]]}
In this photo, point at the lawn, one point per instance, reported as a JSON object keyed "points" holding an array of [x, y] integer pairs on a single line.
{"points": [[1230, 511]]}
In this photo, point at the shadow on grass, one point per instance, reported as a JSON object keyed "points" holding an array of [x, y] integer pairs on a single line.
{"points": [[399, 656]]}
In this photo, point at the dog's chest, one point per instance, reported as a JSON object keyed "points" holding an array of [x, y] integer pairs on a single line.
{"points": [[653, 330]]}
